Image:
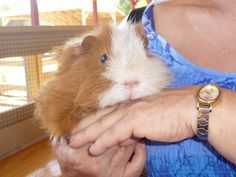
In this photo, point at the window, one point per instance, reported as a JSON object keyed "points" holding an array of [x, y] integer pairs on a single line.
{"points": [[13, 90]]}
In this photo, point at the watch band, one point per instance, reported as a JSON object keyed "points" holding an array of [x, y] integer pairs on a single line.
{"points": [[207, 95], [203, 119]]}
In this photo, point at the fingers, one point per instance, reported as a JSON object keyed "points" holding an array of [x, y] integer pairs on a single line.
{"points": [[121, 132], [136, 166], [130, 141], [121, 159], [94, 130], [91, 119]]}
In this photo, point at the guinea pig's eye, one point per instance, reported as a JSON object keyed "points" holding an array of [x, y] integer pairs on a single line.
{"points": [[103, 58]]}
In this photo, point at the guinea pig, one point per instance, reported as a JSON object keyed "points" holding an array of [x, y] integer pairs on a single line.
{"points": [[103, 68]]}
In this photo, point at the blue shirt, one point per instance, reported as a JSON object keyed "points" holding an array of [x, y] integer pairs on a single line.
{"points": [[191, 157]]}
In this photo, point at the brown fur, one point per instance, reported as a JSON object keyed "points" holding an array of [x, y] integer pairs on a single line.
{"points": [[73, 91]]}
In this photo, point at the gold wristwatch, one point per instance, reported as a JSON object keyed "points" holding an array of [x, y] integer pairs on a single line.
{"points": [[207, 95]]}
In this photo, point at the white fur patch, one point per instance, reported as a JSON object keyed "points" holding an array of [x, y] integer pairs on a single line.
{"points": [[75, 42], [129, 63]]}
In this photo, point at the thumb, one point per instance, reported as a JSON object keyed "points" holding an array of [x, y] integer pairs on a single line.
{"points": [[135, 167]]}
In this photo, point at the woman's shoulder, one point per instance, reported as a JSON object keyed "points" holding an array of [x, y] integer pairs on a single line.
{"points": [[175, 21], [192, 29]]}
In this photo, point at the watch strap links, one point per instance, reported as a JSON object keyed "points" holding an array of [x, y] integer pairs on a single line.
{"points": [[203, 120]]}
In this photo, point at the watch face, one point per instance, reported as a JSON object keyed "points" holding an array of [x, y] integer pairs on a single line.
{"points": [[209, 93]]}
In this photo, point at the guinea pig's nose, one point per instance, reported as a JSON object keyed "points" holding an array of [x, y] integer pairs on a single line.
{"points": [[131, 84]]}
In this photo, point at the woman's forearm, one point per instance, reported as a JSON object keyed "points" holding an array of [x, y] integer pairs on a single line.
{"points": [[222, 125]]}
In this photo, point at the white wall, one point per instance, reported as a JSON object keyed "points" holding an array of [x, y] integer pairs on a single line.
{"points": [[18, 136]]}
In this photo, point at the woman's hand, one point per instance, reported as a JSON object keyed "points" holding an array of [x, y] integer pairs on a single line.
{"points": [[169, 117], [116, 162]]}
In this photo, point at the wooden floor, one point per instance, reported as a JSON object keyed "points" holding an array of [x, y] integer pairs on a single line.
{"points": [[26, 161]]}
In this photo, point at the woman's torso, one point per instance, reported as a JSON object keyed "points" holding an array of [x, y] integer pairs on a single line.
{"points": [[190, 157]]}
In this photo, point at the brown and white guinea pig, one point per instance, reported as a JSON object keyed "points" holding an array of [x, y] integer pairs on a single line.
{"points": [[106, 67]]}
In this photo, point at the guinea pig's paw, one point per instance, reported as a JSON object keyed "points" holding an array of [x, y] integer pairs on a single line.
{"points": [[62, 147], [56, 140]]}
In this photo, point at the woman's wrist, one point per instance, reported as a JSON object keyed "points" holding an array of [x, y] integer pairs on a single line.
{"points": [[191, 111], [207, 97]]}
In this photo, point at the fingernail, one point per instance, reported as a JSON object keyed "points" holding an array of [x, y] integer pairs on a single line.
{"points": [[73, 143], [91, 149]]}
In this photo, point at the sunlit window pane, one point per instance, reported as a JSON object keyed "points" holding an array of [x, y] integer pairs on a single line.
{"points": [[13, 90], [15, 13]]}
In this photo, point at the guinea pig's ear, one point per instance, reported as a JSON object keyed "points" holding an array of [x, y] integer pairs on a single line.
{"points": [[140, 30]]}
